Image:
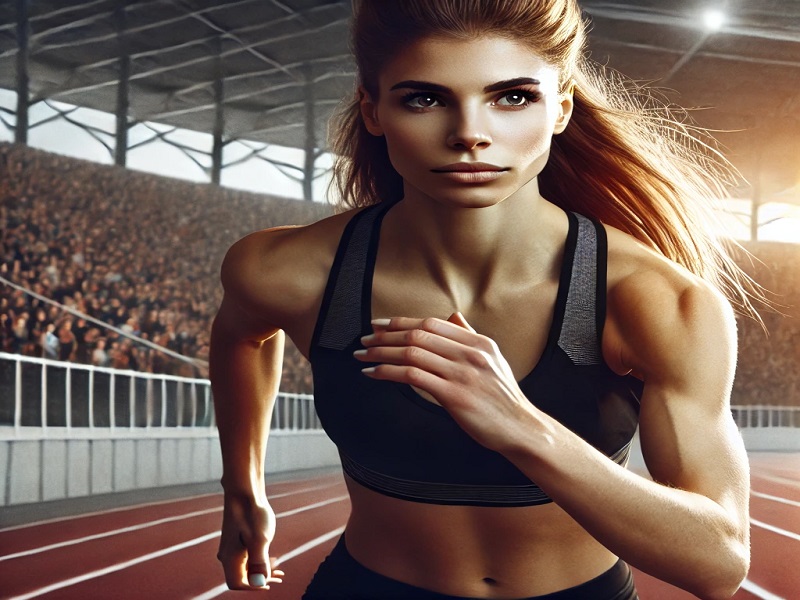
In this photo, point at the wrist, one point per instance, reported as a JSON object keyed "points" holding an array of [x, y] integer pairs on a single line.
{"points": [[247, 485]]}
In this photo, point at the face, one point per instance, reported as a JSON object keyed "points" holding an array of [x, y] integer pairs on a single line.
{"points": [[468, 122]]}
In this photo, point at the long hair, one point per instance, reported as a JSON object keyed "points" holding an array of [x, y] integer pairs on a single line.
{"points": [[626, 158]]}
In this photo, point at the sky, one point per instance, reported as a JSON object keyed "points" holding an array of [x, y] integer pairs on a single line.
{"points": [[781, 221]]}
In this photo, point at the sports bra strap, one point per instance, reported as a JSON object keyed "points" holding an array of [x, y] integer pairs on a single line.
{"points": [[585, 308], [347, 291]]}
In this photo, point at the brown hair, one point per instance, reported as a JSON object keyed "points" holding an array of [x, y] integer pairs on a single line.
{"points": [[626, 158]]}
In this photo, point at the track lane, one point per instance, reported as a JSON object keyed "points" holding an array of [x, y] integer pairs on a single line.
{"points": [[190, 572], [59, 565]]}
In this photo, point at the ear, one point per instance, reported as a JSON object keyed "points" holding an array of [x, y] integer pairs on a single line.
{"points": [[567, 103], [369, 112]]}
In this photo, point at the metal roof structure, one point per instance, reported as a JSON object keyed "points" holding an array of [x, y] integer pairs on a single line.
{"points": [[271, 71]]}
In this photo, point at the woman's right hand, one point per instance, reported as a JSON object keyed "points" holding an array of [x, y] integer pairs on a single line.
{"points": [[248, 526]]}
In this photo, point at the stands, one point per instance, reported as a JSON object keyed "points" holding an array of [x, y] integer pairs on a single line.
{"points": [[142, 253], [136, 251]]}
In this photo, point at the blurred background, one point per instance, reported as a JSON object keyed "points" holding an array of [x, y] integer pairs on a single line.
{"points": [[140, 138]]}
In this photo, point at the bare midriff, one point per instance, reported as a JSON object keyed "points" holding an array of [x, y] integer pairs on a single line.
{"points": [[476, 552]]}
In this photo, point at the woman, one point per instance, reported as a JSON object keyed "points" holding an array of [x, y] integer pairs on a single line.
{"points": [[482, 354]]}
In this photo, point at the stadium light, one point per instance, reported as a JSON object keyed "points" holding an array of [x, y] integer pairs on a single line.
{"points": [[713, 19]]}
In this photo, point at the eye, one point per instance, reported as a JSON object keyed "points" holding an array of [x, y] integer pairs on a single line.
{"points": [[420, 100], [517, 98]]}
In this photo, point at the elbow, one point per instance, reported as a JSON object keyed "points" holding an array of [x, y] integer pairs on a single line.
{"points": [[729, 574]]}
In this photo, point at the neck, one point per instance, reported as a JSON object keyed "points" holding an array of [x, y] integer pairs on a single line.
{"points": [[466, 250]]}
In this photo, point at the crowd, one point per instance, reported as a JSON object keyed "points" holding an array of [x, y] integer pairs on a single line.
{"points": [[142, 253], [768, 370], [137, 252]]}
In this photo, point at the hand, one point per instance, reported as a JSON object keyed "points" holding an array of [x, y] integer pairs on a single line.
{"points": [[461, 369], [248, 526]]}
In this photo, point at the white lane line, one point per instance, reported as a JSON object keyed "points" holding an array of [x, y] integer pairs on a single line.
{"points": [[118, 567], [105, 534], [308, 546], [131, 528], [135, 561], [768, 527], [294, 511], [759, 592], [103, 512], [778, 479], [775, 498], [221, 589], [157, 503]]}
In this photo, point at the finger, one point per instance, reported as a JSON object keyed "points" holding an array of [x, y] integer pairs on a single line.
{"points": [[258, 569], [260, 575], [235, 571], [414, 376], [458, 319], [433, 334], [432, 324], [411, 356]]}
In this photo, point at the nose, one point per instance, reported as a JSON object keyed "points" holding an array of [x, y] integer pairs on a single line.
{"points": [[469, 131]]}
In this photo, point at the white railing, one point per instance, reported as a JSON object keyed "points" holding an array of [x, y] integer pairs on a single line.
{"points": [[71, 398], [764, 416]]}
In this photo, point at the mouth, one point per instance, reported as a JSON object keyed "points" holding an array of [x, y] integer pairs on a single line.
{"points": [[470, 167], [471, 172]]}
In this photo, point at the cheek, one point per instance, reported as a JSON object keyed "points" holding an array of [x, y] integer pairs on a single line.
{"points": [[526, 139], [405, 142]]}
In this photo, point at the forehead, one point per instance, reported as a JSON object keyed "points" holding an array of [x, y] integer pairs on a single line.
{"points": [[463, 62]]}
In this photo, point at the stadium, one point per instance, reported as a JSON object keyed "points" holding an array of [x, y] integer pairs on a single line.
{"points": [[139, 139]]}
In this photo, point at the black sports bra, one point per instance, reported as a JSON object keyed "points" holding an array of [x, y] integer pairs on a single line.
{"points": [[395, 442]]}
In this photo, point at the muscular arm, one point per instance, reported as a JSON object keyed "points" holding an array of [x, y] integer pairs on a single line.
{"points": [[245, 368], [689, 526], [273, 281]]}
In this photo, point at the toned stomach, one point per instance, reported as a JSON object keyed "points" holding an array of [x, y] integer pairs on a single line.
{"points": [[477, 552]]}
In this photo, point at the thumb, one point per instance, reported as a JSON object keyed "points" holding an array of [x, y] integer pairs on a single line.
{"points": [[458, 319], [258, 567]]}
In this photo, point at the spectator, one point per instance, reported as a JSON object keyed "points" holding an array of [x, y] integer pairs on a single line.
{"points": [[101, 240], [99, 354]]}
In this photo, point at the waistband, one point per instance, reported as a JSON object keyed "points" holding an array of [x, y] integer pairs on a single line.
{"points": [[340, 576]]}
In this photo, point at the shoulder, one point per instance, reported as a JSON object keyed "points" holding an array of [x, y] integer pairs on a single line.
{"points": [[280, 273], [662, 320]]}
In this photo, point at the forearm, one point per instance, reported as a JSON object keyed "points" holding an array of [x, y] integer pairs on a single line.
{"points": [[676, 535], [245, 376]]}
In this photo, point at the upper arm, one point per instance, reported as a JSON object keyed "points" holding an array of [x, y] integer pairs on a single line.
{"points": [[679, 335], [248, 310]]}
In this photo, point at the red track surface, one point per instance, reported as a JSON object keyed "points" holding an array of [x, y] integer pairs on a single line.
{"points": [[166, 549]]}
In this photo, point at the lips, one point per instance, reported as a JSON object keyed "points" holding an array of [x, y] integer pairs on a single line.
{"points": [[469, 167], [470, 172]]}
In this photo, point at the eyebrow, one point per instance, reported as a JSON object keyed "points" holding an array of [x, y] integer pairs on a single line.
{"points": [[427, 86]]}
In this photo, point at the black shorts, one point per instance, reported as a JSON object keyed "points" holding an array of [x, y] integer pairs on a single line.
{"points": [[340, 577]]}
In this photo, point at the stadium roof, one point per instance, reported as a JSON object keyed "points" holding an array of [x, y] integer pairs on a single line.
{"points": [[283, 63]]}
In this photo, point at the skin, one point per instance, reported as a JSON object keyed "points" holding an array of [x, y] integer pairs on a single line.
{"points": [[461, 259]]}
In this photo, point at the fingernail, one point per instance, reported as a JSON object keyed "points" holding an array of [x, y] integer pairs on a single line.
{"points": [[368, 370], [360, 353], [368, 338], [381, 322], [257, 579]]}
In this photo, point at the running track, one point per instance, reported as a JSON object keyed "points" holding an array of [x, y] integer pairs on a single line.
{"points": [[165, 549]]}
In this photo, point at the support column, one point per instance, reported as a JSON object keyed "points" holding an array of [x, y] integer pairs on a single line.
{"points": [[123, 85], [219, 115], [310, 141], [23, 79]]}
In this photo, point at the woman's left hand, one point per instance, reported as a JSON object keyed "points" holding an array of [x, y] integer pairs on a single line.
{"points": [[461, 369]]}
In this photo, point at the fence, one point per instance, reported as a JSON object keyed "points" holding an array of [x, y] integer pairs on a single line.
{"points": [[760, 416], [41, 394]]}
